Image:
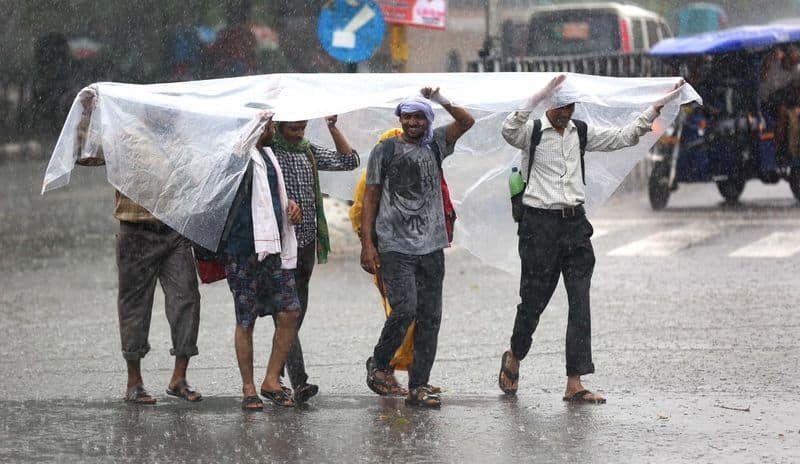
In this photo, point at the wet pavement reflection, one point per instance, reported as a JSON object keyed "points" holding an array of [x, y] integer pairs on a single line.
{"points": [[694, 350]]}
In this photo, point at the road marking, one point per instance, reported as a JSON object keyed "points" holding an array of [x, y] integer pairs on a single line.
{"points": [[775, 245], [599, 232], [668, 242]]}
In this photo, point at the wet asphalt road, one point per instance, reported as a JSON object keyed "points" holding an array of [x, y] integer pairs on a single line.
{"points": [[696, 349]]}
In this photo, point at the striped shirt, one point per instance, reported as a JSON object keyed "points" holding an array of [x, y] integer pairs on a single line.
{"points": [[299, 179], [556, 181]]}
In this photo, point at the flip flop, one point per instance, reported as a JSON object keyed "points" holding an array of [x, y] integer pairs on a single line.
{"points": [[511, 376], [138, 395], [183, 391], [380, 386], [285, 388], [248, 400], [580, 397], [279, 397], [304, 393]]}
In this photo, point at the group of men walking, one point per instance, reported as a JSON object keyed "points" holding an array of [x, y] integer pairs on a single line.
{"points": [[276, 230]]}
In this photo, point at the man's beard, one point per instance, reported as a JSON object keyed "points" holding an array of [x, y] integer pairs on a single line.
{"points": [[408, 133]]}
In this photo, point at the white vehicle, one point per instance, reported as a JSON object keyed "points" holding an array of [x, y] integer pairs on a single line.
{"points": [[583, 29]]}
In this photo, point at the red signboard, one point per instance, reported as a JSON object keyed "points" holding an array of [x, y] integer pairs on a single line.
{"points": [[431, 14]]}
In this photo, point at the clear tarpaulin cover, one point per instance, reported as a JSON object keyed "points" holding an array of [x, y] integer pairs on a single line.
{"points": [[180, 149]]}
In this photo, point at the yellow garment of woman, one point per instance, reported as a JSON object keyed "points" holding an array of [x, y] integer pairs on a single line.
{"points": [[404, 355]]}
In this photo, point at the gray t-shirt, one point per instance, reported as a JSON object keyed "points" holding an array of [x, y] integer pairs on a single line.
{"points": [[410, 215]]}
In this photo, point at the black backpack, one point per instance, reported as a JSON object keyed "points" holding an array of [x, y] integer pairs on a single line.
{"points": [[536, 137]]}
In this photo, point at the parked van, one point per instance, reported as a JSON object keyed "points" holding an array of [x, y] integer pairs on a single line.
{"points": [[584, 29]]}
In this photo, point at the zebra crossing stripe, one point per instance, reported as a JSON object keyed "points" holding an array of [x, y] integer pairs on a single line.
{"points": [[667, 242], [600, 232], [775, 245]]}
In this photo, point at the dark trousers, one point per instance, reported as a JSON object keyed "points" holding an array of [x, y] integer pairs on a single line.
{"points": [[550, 246], [414, 289], [147, 253], [295, 364]]}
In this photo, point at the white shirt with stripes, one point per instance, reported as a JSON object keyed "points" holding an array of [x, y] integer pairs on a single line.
{"points": [[556, 181]]}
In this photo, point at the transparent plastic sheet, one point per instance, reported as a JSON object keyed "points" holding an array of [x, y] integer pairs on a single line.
{"points": [[180, 149]]}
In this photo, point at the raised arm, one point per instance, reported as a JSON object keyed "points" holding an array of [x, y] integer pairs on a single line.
{"points": [[609, 139], [463, 120], [339, 141], [344, 158], [516, 130]]}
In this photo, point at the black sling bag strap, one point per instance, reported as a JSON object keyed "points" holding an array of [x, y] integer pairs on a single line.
{"points": [[536, 137]]}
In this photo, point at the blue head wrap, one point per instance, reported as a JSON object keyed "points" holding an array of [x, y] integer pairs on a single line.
{"points": [[413, 105]]}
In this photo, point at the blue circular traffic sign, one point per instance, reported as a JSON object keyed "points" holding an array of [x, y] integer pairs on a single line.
{"points": [[351, 30]]}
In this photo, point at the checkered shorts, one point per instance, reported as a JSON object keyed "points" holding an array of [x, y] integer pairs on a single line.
{"points": [[260, 288]]}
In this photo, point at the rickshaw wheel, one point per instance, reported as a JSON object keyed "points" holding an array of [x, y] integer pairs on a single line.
{"points": [[731, 188], [794, 182], [658, 186]]}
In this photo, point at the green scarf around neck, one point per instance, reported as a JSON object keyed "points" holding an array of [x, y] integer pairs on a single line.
{"points": [[304, 146]]}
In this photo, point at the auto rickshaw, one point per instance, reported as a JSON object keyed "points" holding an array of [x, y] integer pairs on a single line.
{"points": [[747, 127]]}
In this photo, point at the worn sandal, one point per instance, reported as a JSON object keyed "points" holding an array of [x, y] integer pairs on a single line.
{"points": [[434, 389], [183, 391], [383, 387], [580, 397], [279, 397], [510, 376], [138, 395], [422, 397], [304, 393], [397, 389], [284, 387], [247, 401]]}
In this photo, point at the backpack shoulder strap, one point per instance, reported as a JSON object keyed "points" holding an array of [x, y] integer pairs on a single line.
{"points": [[536, 137], [437, 153], [583, 130], [387, 147]]}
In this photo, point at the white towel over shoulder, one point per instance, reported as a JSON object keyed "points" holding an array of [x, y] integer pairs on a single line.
{"points": [[268, 238]]}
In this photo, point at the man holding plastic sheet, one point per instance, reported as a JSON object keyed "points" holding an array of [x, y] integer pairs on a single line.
{"points": [[404, 238], [554, 234], [260, 257], [149, 251], [301, 160]]}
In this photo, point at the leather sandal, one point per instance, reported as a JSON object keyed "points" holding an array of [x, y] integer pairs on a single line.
{"points": [[138, 395], [422, 397], [252, 403], [183, 391], [279, 397], [510, 376]]}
